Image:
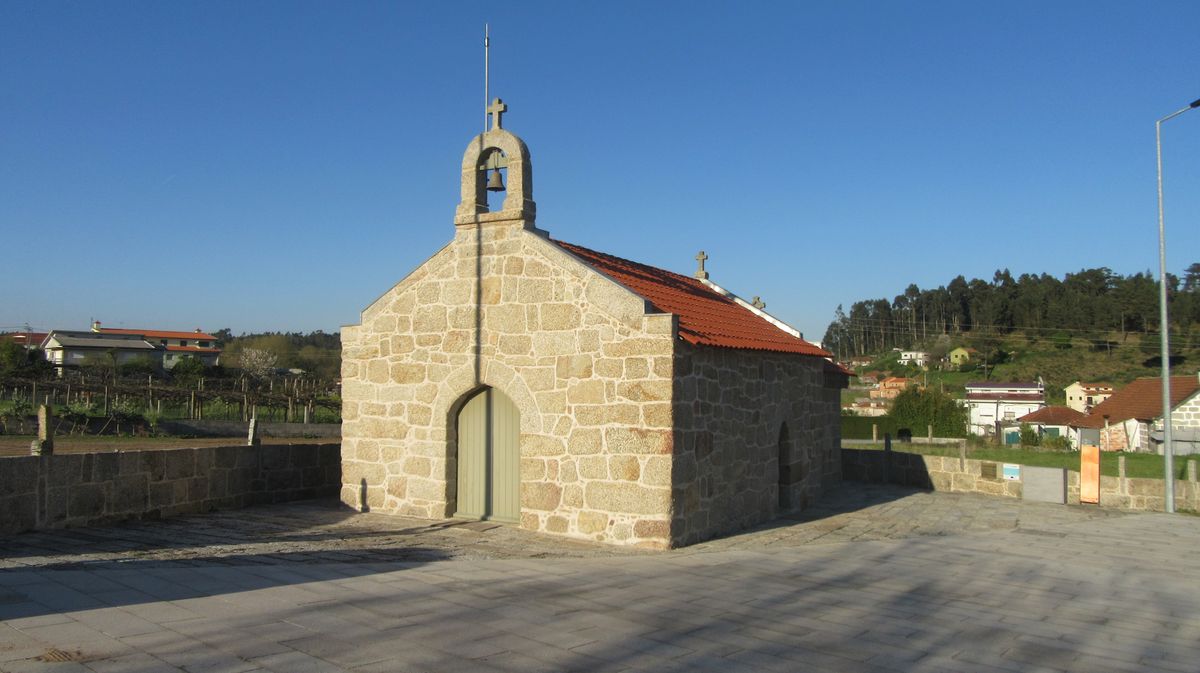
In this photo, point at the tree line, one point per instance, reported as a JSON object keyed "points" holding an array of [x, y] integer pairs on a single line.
{"points": [[318, 353], [1092, 304]]}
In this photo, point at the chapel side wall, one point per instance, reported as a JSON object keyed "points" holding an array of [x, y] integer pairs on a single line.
{"points": [[589, 371], [730, 405]]}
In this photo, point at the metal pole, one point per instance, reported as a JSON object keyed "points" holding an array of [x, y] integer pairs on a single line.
{"points": [[487, 43], [1164, 326]]}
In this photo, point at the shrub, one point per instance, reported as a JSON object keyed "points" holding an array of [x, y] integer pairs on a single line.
{"points": [[1058, 443], [1029, 436], [15, 412], [917, 409], [138, 366], [187, 371]]}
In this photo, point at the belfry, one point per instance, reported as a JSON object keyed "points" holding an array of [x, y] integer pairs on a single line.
{"points": [[517, 378]]}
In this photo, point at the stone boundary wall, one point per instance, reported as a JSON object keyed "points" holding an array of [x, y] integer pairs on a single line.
{"points": [[81, 489], [958, 475], [943, 441], [216, 428]]}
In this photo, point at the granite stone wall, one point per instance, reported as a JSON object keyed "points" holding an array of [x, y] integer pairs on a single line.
{"points": [[1187, 414], [945, 473], [589, 370], [66, 490], [757, 433]]}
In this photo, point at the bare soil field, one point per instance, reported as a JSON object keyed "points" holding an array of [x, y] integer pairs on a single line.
{"points": [[18, 445]]}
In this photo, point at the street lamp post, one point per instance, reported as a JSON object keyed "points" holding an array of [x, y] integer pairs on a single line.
{"points": [[1163, 325]]}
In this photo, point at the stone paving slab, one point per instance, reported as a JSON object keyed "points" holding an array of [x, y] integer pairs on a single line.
{"points": [[873, 580]]}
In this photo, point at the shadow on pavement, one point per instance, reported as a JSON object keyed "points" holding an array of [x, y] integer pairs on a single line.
{"points": [[297, 522], [73, 586]]}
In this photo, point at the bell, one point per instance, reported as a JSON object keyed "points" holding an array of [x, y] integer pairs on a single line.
{"points": [[495, 183]]}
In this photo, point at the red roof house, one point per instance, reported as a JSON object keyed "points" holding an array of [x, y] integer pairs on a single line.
{"points": [[1055, 415], [1125, 419], [175, 344]]}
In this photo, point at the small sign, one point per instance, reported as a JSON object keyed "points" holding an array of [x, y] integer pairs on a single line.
{"points": [[1012, 472]]}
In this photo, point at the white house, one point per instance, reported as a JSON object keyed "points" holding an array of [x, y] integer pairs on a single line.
{"points": [[918, 358], [67, 348], [173, 345], [992, 403], [161, 349]]}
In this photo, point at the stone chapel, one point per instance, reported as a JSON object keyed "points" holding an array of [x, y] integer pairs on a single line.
{"points": [[517, 378]]}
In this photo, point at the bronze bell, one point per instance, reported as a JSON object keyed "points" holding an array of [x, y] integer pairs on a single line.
{"points": [[495, 183]]}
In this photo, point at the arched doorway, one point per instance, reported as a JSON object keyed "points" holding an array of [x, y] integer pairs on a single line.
{"points": [[489, 458]]}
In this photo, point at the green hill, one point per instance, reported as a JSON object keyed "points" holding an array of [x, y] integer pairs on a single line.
{"points": [[1015, 357]]}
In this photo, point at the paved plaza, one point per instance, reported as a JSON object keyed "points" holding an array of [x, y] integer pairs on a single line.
{"points": [[872, 579]]}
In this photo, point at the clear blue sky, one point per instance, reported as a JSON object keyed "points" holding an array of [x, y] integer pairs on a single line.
{"points": [[278, 165]]}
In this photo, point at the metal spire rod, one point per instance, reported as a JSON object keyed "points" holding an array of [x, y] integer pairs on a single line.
{"points": [[487, 43]]}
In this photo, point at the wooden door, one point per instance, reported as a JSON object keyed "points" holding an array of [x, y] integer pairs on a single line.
{"points": [[489, 430]]}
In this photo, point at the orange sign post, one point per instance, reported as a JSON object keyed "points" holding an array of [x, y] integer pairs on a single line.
{"points": [[1089, 474]]}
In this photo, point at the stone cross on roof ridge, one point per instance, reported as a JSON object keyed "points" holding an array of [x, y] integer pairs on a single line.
{"points": [[700, 272], [497, 108]]}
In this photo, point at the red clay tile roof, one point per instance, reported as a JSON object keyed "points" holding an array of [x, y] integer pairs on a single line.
{"points": [[1053, 416], [1002, 384], [706, 317], [836, 368], [26, 338], [159, 334], [1141, 399]]}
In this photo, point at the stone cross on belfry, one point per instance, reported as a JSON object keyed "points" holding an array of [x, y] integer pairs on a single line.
{"points": [[700, 272], [496, 109], [758, 303]]}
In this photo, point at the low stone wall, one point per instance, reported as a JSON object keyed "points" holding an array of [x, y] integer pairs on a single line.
{"points": [[937, 473], [63, 490], [1143, 495], [216, 428], [958, 475]]}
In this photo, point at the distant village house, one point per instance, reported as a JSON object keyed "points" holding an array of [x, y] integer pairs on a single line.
{"points": [[1132, 418], [918, 358], [1084, 396], [961, 356], [891, 387], [162, 349], [992, 404], [1054, 421]]}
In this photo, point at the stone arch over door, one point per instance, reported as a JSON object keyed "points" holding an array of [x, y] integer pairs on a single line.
{"points": [[488, 482]]}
